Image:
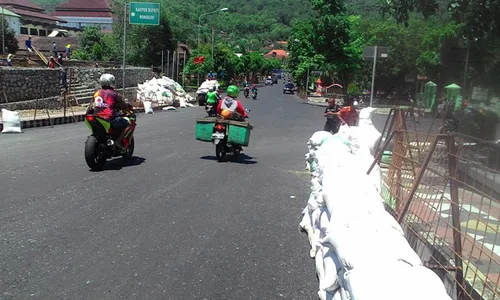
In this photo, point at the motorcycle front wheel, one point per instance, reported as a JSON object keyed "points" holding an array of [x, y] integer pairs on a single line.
{"points": [[94, 159], [130, 149]]}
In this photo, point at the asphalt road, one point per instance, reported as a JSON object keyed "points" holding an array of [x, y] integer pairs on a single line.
{"points": [[173, 224]]}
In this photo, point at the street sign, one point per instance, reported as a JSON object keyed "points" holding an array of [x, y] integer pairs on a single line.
{"points": [[143, 13], [369, 52]]}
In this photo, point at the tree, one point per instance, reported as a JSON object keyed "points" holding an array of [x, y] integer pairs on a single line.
{"points": [[10, 40], [480, 18], [92, 45]]}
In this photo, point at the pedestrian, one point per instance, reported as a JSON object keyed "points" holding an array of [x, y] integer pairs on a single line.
{"points": [[52, 63], [68, 51], [9, 59], [29, 46], [332, 113], [60, 59], [54, 49]]}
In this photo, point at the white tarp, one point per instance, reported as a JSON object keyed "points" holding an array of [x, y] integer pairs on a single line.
{"points": [[360, 250], [163, 91], [11, 121]]}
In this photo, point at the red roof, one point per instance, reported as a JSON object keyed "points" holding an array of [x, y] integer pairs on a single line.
{"points": [[33, 14], [279, 53], [21, 4], [87, 5], [88, 14]]}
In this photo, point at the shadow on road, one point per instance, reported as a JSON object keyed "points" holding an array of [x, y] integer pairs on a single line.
{"points": [[240, 159], [119, 163]]}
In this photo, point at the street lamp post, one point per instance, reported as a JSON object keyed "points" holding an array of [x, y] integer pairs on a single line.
{"points": [[199, 26], [208, 13]]}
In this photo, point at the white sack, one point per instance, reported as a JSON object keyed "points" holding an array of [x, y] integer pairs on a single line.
{"points": [[206, 85], [394, 281], [330, 268], [318, 137], [148, 107], [11, 121]]}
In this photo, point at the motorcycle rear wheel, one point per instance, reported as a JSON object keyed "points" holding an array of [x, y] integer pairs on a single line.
{"points": [[220, 151], [92, 158]]}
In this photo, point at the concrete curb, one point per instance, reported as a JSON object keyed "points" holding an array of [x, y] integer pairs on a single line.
{"points": [[68, 119]]}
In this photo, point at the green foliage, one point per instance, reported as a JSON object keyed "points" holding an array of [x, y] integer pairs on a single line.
{"points": [[10, 40], [92, 45], [480, 19]]}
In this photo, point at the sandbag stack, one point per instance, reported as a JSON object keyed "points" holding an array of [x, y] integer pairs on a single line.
{"points": [[163, 91], [360, 250]]}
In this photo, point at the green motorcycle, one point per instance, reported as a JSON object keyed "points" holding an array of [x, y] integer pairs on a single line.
{"points": [[100, 145]]}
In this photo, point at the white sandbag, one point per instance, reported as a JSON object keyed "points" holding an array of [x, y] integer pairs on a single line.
{"points": [[169, 108], [361, 246], [405, 282], [206, 85], [330, 261], [326, 295], [318, 137], [148, 107], [11, 121], [318, 259]]}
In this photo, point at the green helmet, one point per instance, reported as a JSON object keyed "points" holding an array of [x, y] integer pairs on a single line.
{"points": [[233, 91]]}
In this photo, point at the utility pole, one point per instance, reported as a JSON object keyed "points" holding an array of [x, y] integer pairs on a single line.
{"points": [[124, 44], [3, 31]]}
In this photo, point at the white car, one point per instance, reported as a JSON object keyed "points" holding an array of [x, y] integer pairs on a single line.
{"points": [[268, 81]]}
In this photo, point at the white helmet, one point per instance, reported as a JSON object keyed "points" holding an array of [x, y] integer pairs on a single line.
{"points": [[107, 80], [355, 103]]}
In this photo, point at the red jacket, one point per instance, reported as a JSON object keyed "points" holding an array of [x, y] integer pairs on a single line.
{"points": [[233, 105]]}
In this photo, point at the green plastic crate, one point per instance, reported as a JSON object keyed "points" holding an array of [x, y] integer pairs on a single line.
{"points": [[239, 134], [204, 130]]}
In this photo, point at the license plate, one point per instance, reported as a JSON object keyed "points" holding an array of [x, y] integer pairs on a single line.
{"points": [[217, 135]]}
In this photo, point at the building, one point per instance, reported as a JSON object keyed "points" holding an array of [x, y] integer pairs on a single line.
{"points": [[34, 21], [79, 14], [13, 20], [277, 53]]}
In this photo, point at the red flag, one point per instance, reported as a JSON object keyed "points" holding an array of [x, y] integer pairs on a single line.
{"points": [[199, 59]]}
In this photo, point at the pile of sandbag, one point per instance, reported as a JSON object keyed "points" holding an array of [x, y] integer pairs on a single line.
{"points": [[206, 85], [11, 121], [360, 250], [163, 91]]}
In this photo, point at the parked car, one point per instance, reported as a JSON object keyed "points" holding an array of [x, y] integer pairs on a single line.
{"points": [[289, 88], [269, 81]]}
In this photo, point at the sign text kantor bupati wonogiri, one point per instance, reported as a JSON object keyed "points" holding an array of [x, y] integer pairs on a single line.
{"points": [[143, 13]]}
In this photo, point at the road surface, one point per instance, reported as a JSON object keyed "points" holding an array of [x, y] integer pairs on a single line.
{"points": [[172, 224]]}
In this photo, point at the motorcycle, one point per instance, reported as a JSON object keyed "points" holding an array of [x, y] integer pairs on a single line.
{"points": [[254, 95], [219, 138], [211, 110], [245, 92], [100, 145]]}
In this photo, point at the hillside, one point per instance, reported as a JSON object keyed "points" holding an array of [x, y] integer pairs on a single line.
{"points": [[250, 23]]}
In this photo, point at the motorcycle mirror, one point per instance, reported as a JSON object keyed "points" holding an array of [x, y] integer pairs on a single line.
{"points": [[247, 110]]}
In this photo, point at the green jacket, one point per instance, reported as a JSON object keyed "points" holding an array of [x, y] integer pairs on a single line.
{"points": [[212, 97]]}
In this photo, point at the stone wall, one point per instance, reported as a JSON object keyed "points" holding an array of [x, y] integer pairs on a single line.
{"points": [[27, 84], [133, 76], [24, 84]]}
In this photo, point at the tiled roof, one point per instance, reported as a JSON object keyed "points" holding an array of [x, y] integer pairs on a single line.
{"points": [[88, 14], [29, 13], [87, 5], [279, 53], [21, 3]]}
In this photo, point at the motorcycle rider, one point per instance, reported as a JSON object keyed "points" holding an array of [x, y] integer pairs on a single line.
{"points": [[212, 99], [247, 90], [108, 104], [254, 89], [332, 113], [232, 104]]}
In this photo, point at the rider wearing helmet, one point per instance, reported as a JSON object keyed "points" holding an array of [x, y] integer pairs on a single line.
{"points": [[230, 103], [108, 105], [212, 96], [254, 88]]}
